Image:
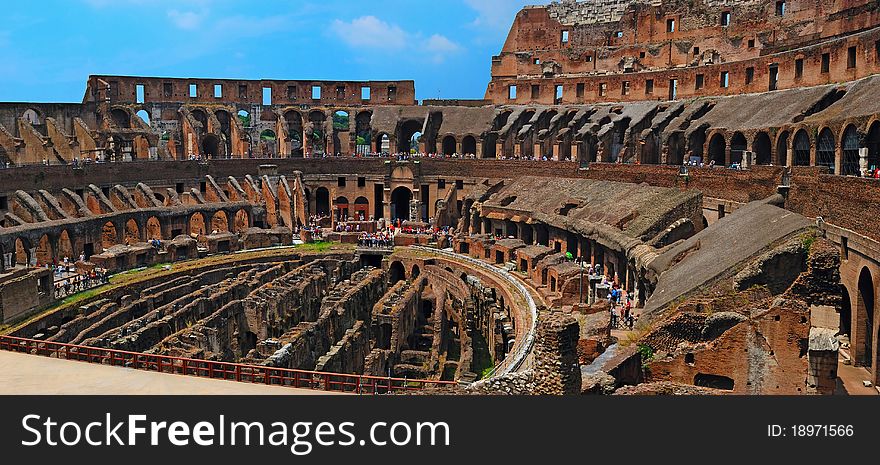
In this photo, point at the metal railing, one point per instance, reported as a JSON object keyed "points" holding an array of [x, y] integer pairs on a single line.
{"points": [[254, 374], [514, 363]]}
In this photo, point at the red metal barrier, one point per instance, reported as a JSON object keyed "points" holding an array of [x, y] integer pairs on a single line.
{"points": [[336, 382]]}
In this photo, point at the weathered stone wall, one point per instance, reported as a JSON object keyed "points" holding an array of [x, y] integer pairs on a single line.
{"points": [[557, 371]]}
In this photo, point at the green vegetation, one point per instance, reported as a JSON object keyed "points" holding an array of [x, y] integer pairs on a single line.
{"points": [[807, 241], [647, 354], [340, 121]]}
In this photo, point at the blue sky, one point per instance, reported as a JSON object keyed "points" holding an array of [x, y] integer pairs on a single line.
{"points": [[48, 48]]}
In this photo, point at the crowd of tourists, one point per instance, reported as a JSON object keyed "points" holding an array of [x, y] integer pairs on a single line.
{"points": [[69, 280]]}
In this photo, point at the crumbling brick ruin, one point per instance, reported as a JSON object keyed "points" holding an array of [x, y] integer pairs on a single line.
{"points": [[712, 158]]}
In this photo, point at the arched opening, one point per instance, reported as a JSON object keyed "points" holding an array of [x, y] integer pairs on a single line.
{"points": [[22, 252], [121, 119], [448, 145], [197, 225], [322, 202], [400, 203], [316, 134], [341, 208], [109, 238], [850, 164], [202, 117], [383, 144], [696, 140], [361, 209], [825, 147], [144, 116], [294, 133], [865, 318], [469, 146], [219, 222], [761, 147], [210, 146], [132, 232], [845, 313], [396, 273], [738, 146], [32, 117], [782, 149], [154, 229], [268, 143], [244, 118], [409, 136], [44, 251], [872, 142], [341, 121], [65, 246], [717, 147], [415, 272], [490, 148], [363, 133], [675, 150], [801, 149], [242, 221]]}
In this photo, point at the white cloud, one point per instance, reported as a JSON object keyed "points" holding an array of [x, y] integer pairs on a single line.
{"points": [[496, 14], [187, 20], [371, 32]]}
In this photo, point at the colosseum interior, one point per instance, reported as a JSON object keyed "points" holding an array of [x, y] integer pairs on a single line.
{"points": [[714, 160]]}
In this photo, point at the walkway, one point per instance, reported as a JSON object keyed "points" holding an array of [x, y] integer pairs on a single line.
{"points": [[30, 374]]}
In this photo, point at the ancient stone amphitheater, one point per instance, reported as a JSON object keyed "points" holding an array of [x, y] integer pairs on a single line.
{"points": [[716, 159]]}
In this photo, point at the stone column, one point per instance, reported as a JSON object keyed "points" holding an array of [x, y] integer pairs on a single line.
{"points": [[415, 210], [863, 161], [557, 371]]}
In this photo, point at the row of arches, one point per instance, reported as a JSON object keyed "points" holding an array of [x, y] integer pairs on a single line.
{"points": [[50, 248], [840, 153]]}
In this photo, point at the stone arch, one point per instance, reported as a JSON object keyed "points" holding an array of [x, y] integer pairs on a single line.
{"points": [[242, 221], [144, 116], [341, 123], [109, 237], [220, 222], [65, 246], [415, 272], [244, 117], [469, 145], [490, 146], [121, 118], [872, 142], [400, 203], [448, 145], [864, 321], [738, 145], [294, 132], [211, 146], [408, 129], [849, 165], [197, 224], [696, 141], [717, 148], [153, 229], [383, 143], [782, 149], [132, 232], [341, 207], [801, 148], [32, 117], [23, 252], [826, 149], [44, 252], [845, 312], [363, 132], [361, 208], [322, 201], [396, 273], [761, 148]]}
